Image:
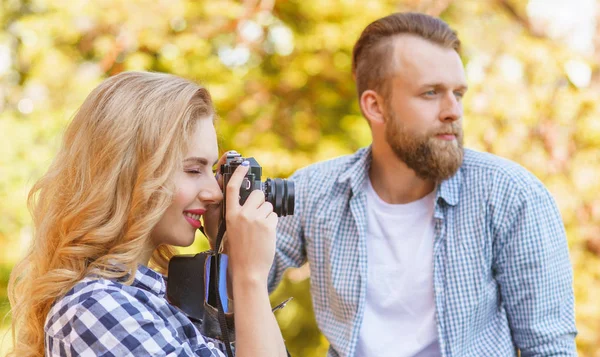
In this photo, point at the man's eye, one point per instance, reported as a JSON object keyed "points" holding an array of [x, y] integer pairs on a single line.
{"points": [[430, 92]]}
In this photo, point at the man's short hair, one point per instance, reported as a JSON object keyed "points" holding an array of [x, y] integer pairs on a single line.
{"points": [[371, 57]]}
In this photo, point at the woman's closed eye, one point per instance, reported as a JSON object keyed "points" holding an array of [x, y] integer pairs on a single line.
{"points": [[193, 171]]}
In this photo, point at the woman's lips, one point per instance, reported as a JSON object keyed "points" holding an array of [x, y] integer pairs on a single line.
{"points": [[196, 224], [195, 220], [199, 211]]}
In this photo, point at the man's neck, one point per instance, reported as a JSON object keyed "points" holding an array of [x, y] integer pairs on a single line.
{"points": [[393, 181]]}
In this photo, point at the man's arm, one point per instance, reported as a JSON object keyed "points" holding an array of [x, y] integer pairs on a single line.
{"points": [[535, 276], [290, 250]]}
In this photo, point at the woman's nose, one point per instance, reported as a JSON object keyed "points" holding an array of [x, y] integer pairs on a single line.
{"points": [[211, 192]]}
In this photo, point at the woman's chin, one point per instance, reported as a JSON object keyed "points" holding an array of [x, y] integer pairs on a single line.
{"points": [[182, 239], [185, 242]]}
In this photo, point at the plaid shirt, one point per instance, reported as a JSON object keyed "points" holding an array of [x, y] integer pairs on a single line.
{"points": [[502, 275], [100, 317]]}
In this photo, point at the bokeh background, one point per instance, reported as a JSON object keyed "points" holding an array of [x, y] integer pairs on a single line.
{"points": [[279, 72]]}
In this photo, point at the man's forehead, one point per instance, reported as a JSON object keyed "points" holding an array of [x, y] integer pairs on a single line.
{"points": [[411, 49], [421, 60]]}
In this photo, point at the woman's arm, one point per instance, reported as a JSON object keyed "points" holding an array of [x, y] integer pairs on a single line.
{"points": [[257, 332], [251, 248]]}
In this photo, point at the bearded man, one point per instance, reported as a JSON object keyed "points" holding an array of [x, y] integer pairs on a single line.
{"points": [[416, 246]]}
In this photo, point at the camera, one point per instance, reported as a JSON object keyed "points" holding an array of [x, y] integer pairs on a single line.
{"points": [[198, 282], [279, 192]]}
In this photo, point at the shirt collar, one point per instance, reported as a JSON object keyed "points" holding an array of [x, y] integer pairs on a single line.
{"points": [[448, 190], [358, 171], [147, 279]]}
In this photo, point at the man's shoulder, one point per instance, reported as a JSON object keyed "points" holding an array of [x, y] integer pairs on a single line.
{"points": [[481, 168], [484, 162], [330, 170]]}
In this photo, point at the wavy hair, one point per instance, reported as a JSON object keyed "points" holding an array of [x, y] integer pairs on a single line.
{"points": [[107, 188]]}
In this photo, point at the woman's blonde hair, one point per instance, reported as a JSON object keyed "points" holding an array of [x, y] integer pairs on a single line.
{"points": [[105, 191]]}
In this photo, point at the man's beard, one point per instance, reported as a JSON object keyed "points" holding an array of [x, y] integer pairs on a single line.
{"points": [[431, 158]]}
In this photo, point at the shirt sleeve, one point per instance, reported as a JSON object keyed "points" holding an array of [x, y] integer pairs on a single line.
{"points": [[535, 276], [115, 324], [290, 249]]}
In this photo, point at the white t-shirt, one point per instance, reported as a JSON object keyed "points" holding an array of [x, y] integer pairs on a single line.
{"points": [[399, 318]]}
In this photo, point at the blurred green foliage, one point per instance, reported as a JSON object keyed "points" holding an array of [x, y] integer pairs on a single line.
{"points": [[279, 72]]}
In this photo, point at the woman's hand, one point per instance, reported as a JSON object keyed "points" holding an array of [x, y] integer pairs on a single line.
{"points": [[250, 231], [251, 248]]}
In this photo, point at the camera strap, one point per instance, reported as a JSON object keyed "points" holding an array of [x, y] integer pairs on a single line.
{"points": [[215, 283]]}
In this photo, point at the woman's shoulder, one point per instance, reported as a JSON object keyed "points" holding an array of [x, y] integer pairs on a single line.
{"points": [[93, 299], [100, 316]]}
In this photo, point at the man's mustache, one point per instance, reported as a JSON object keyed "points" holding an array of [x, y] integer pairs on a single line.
{"points": [[454, 129]]}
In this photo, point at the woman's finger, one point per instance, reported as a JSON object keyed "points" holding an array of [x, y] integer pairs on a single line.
{"points": [[264, 210], [272, 219], [234, 184], [255, 199], [222, 161]]}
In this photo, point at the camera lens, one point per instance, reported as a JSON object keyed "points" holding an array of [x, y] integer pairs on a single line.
{"points": [[280, 193]]}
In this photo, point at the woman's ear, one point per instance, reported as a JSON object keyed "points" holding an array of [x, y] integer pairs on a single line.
{"points": [[371, 105]]}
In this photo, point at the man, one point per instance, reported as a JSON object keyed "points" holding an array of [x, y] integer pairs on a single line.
{"points": [[416, 246]]}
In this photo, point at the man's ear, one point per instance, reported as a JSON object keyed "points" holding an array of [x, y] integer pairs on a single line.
{"points": [[372, 106]]}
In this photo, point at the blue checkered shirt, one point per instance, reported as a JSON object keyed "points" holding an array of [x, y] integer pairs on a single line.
{"points": [[502, 275], [100, 317]]}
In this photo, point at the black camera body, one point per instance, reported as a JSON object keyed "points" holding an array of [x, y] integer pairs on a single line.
{"points": [[279, 192], [197, 282]]}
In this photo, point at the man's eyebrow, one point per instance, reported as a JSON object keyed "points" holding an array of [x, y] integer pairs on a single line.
{"points": [[199, 160], [461, 87]]}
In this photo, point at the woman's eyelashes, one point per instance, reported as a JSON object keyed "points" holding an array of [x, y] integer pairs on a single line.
{"points": [[193, 171]]}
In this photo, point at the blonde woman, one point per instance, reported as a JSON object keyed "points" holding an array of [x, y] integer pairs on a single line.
{"points": [[132, 179]]}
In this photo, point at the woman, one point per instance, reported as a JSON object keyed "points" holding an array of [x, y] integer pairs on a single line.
{"points": [[132, 179]]}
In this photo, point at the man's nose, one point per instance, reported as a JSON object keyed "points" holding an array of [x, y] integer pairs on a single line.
{"points": [[451, 108]]}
